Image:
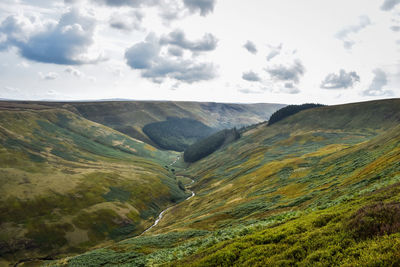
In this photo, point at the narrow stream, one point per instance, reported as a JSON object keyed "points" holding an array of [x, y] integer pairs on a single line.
{"points": [[164, 211], [160, 216]]}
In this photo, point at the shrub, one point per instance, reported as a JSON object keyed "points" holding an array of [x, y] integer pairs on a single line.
{"points": [[323, 220], [376, 220]]}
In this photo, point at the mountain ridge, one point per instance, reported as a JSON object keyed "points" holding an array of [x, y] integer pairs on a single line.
{"points": [[130, 117]]}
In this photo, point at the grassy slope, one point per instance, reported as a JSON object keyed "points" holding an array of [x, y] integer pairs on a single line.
{"points": [[68, 184], [130, 117], [282, 194]]}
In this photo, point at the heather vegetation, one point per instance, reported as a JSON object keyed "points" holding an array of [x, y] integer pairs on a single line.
{"points": [[376, 220]]}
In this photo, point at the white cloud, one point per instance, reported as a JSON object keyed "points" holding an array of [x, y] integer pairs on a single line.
{"points": [[127, 21], [376, 88], [274, 51], [251, 47], [23, 64], [288, 73], [251, 76], [204, 7], [48, 76], [125, 3], [343, 80], [117, 26], [249, 91], [389, 4], [75, 72], [345, 35], [66, 42], [147, 57], [178, 38], [289, 88]]}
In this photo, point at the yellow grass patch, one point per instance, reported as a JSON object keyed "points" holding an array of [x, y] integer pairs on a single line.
{"points": [[329, 149], [24, 185], [121, 209], [300, 172], [375, 166], [291, 191], [226, 187], [234, 200], [77, 236], [149, 147]]}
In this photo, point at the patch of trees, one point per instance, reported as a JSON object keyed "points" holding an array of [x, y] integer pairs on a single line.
{"points": [[210, 144], [289, 111], [176, 133]]}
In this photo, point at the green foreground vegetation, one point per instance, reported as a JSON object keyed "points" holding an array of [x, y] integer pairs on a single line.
{"points": [[321, 187]]}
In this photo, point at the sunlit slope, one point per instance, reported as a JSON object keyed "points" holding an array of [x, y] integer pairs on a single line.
{"points": [[68, 184], [300, 191], [310, 158], [378, 115]]}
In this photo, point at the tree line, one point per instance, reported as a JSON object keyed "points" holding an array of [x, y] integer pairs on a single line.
{"points": [[176, 133], [290, 110], [210, 144]]}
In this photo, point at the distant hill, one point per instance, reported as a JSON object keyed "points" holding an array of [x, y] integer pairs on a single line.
{"points": [[129, 117]]}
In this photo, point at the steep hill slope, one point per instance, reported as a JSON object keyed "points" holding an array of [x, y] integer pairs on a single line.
{"points": [[210, 144], [176, 133], [129, 117], [289, 158], [321, 186], [68, 184]]}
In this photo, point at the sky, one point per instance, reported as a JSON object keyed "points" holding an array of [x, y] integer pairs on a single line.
{"points": [[275, 51]]}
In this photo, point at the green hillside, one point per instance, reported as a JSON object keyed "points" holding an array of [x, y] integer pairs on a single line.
{"points": [[320, 187], [176, 133], [130, 117], [69, 184], [210, 144]]}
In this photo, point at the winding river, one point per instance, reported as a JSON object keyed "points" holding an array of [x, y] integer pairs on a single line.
{"points": [[164, 211]]}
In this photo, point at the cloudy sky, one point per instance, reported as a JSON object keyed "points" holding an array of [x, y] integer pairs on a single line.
{"points": [[281, 51]]}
